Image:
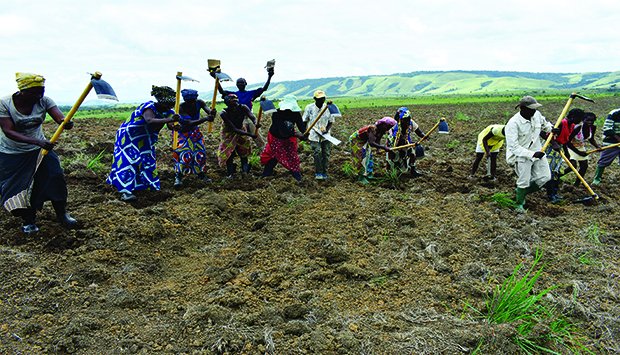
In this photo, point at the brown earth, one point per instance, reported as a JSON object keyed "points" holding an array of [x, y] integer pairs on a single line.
{"points": [[271, 266]]}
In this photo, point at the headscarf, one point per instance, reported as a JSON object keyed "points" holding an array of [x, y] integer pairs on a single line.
{"points": [[229, 98], [289, 102], [163, 94], [387, 121], [189, 94], [403, 112], [29, 80]]}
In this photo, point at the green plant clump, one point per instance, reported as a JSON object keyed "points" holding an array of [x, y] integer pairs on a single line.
{"points": [[537, 326]]}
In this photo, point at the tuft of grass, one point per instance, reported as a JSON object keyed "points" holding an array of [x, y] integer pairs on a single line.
{"points": [[95, 163], [537, 326], [254, 160], [349, 170], [453, 144], [593, 233], [305, 147], [391, 177], [502, 199], [378, 281]]}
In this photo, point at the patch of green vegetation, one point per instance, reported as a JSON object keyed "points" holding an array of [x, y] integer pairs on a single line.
{"points": [[254, 160], [453, 144], [537, 326], [586, 259], [378, 281], [593, 233], [391, 177], [305, 147], [95, 163], [349, 170], [460, 116], [502, 199]]}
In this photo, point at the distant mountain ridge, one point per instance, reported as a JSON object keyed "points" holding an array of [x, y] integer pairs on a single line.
{"points": [[462, 82]]}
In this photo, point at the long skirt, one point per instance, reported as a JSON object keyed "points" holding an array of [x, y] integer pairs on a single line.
{"points": [[134, 166], [361, 152], [230, 143], [283, 150], [18, 188], [190, 156]]}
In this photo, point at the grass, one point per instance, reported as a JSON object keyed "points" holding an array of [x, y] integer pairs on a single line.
{"points": [[453, 144], [537, 326], [593, 233], [460, 116], [391, 177], [254, 160], [502, 199], [349, 170], [95, 163]]}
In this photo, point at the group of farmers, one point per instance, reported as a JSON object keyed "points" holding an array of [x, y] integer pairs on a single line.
{"points": [[528, 156], [28, 178]]}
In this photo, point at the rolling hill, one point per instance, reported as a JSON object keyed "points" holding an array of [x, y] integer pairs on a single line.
{"points": [[444, 83]]}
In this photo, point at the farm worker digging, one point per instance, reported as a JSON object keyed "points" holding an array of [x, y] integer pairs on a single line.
{"points": [[404, 159], [190, 156], [611, 135], [245, 98], [576, 149], [21, 140], [321, 147], [134, 166], [363, 140], [566, 128], [523, 149], [234, 135], [282, 138], [490, 140]]}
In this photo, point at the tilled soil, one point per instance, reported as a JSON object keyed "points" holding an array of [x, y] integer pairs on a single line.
{"points": [[254, 265]]}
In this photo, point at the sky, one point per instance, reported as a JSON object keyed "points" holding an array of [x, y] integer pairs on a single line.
{"points": [[136, 44]]}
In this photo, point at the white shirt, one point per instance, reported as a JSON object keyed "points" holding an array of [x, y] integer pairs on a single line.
{"points": [[523, 136], [310, 114], [28, 125]]}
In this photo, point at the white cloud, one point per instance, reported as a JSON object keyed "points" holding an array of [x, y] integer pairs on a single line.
{"points": [[139, 43]]}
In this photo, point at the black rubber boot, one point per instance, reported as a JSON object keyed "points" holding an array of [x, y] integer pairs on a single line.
{"points": [[296, 175], [268, 170], [204, 178], [552, 187], [62, 216], [231, 168], [245, 166], [28, 217]]}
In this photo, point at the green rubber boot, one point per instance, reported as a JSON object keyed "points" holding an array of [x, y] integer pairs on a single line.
{"points": [[520, 199], [598, 175]]}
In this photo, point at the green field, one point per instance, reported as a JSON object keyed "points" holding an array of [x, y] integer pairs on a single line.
{"points": [[123, 111]]}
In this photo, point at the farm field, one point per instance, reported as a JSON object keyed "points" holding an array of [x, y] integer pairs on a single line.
{"points": [[258, 266]]}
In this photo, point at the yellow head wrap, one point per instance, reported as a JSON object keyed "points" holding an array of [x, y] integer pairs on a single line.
{"points": [[29, 80]]}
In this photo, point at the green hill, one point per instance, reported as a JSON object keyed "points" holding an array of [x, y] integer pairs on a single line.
{"points": [[444, 83]]}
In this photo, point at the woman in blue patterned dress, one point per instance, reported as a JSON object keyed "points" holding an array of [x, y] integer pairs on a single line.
{"points": [[135, 167], [190, 156]]}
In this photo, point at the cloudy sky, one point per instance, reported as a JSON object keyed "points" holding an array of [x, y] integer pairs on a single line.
{"points": [[137, 43]]}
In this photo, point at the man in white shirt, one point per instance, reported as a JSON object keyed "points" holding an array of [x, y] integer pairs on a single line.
{"points": [[321, 147], [523, 148]]}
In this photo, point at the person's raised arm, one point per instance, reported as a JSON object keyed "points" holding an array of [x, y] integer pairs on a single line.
{"points": [[270, 72]]}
